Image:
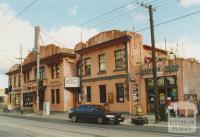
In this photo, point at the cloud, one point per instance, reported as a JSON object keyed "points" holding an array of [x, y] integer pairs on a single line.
{"points": [[139, 18], [73, 11], [130, 6], [189, 3], [21, 32], [186, 48]]}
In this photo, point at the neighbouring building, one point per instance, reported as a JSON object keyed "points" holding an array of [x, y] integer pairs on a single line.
{"points": [[3, 97], [177, 79], [56, 65]]}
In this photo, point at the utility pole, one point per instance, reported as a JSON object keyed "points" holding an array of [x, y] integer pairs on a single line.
{"points": [[21, 80], [156, 102], [37, 51]]}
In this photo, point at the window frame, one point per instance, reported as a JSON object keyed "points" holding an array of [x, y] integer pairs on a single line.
{"points": [[118, 85], [87, 66], [120, 59], [88, 94], [101, 62], [57, 96], [102, 96]]}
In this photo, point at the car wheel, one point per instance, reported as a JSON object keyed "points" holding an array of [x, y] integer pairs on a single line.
{"points": [[99, 120], [74, 118]]}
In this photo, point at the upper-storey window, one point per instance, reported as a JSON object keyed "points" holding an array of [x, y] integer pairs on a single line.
{"points": [[57, 71], [52, 71], [41, 73], [102, 62], [14, 81], [118, 59], [87, 66], [19, 80]]}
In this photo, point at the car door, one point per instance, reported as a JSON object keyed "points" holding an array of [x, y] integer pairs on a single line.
{"points": [[92, 113], [80, 112]]}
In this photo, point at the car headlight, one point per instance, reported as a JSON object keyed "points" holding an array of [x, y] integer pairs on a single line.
{"points": [[110, 116]]}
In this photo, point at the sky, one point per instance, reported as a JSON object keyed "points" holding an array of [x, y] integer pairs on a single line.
{"points": [[65, 20]]}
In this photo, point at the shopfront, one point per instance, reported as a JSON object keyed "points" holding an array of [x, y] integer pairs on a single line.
{"points": [[167, 89]]}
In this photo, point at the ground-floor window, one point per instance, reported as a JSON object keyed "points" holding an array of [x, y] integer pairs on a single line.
{"points": [[79, 95], [27, 99], [120, 92], [88, 94], [167, 89], [102, 93], [55, 96], [17, 99]]}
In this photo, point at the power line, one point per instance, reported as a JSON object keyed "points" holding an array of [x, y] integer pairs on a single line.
{"points": [[117, 16], [50, 37], [168, 21], [106, 13], [126, 18], [21, 12]]}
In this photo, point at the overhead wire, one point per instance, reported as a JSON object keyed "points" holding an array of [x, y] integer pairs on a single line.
{"points": [[126, 18], [106, 13], [171, 20], [117, 16], [18, 14]]}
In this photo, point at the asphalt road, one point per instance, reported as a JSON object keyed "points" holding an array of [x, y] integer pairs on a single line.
{"points": [[14, 127]]}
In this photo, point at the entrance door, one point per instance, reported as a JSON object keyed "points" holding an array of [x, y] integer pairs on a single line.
{"points": [[41, 99]]}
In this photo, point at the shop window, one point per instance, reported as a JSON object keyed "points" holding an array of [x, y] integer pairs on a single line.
{"points": [[52, 96], [57, 96], [150, 83], [88, 94], [57, 71], [161, 82], [118, 59], [102, 91], [28, 99], [102, 62], [87, 66], [120, 92], [171, 80]]}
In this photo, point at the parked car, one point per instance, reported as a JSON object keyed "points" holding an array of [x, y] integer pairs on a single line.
{"points": [[94, 113]]}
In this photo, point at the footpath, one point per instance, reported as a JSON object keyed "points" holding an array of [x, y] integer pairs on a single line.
{"points": [[63, 117]]}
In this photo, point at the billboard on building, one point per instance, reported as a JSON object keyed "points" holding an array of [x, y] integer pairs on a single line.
{"points": [[72, 82]]}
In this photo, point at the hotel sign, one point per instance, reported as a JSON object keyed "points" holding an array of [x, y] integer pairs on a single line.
{"points": [[72, 82], [169, 68]]}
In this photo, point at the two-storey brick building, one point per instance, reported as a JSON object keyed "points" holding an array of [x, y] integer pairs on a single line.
{"points": [[107, 62], [55, 65]]}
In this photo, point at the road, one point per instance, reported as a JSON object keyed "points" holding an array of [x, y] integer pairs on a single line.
{"points": [[13, 127]]}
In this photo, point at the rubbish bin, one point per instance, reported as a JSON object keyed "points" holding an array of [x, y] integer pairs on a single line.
{"points": [[163, 113]]}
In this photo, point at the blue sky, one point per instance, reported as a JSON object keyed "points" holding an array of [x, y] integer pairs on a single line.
{"points": [[62, 18]]}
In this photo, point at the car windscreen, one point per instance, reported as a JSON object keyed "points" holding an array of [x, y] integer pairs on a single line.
{"points": [[102, 109]]}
